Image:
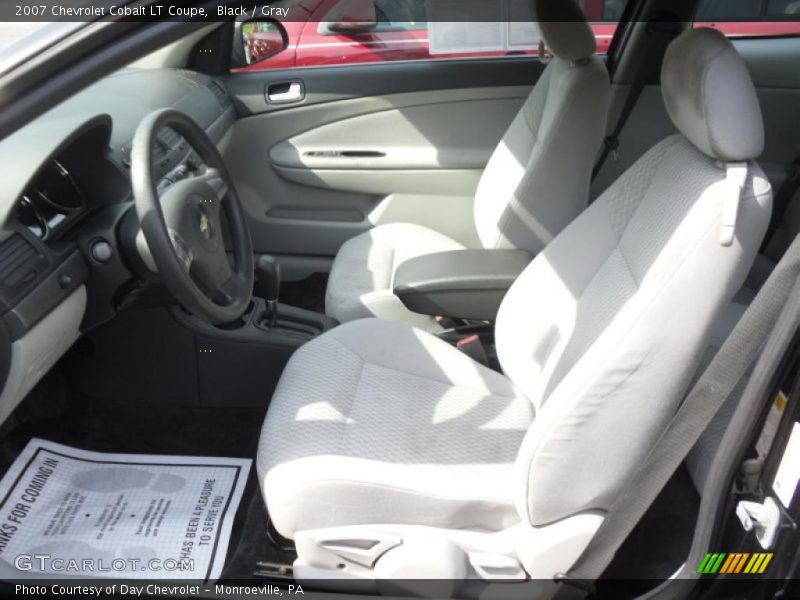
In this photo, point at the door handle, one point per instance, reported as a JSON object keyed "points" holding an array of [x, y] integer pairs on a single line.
{"points": [[345, 154], [285, 92]]}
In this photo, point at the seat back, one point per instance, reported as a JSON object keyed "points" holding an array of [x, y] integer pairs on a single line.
{"points": [[537, 179], [604, 329]]}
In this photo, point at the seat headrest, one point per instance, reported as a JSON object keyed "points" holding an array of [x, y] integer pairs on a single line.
{"points": [[564, 29], [710, 96]]}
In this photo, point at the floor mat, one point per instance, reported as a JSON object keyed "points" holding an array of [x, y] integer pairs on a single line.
{"points": [[121, 511], [659, 544], [255, 544]]}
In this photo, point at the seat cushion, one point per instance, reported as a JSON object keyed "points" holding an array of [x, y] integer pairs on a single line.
{"points": [[380, 422], [362, 276]]}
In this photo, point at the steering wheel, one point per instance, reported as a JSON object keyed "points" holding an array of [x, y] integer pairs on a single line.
{"points": [[183, 227]]}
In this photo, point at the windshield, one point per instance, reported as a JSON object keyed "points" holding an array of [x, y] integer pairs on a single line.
{"points": [[12, 32], [44, 25]]}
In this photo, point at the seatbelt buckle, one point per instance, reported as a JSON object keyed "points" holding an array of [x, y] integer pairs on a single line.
{"points": [[473, 347]]}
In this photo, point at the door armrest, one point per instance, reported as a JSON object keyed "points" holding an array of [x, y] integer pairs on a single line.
{"points": [[462, 284]]}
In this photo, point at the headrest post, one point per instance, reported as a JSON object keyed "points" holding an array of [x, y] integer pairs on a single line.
{"points": [[544, 58], [735, 179]]}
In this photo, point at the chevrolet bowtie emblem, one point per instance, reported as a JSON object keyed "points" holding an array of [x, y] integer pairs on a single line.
{"points": [[205, 225]]}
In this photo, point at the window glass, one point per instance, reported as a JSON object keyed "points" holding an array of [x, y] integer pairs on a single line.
{"points": [[612, 10], [750, 18], [13, 32], [607, 11], [408, 14], [783, 8], [344, 32], [725, 10]]}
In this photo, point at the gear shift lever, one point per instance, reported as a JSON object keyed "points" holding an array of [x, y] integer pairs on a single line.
{"points": [[268, 273]]}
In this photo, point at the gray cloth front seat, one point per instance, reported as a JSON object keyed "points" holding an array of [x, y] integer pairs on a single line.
{"points": [[535, 184], [388, 453]]}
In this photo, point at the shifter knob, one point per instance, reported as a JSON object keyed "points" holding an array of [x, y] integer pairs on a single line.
{"points": [[268, 273]]}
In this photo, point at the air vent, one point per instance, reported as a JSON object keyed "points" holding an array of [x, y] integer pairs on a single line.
{"points": [[20, 263], [219, 91], [126, 155], [170, 137], [159, 152]]}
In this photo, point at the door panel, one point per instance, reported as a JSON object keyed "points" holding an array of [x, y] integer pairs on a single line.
{"points": [[337, 83], [431, 136], [440, 182], [368, 145]]}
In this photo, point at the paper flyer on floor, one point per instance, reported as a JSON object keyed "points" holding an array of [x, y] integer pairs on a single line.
{"points": [[69, 512]]}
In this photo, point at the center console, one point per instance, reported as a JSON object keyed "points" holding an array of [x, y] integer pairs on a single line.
{"points": [[460, 284], [266, 320], [239, 364], [277, 324]]}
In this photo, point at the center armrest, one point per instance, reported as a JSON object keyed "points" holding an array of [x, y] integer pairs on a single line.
{"points": [[462, 284]]}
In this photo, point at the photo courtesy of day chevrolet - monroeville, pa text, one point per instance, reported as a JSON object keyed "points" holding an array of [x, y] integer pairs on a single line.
{"points": [[453, 299]]}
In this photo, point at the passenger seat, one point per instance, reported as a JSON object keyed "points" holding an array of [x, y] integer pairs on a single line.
{"points": [[535, 184]]}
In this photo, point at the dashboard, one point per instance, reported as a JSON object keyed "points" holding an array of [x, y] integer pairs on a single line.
{"points": [[48, 204], [66, 200], [68, 184]]}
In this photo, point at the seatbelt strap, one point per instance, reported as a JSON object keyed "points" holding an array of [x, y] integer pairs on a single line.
{"points": [[782, 199], [732, 362], [656, 42]]}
